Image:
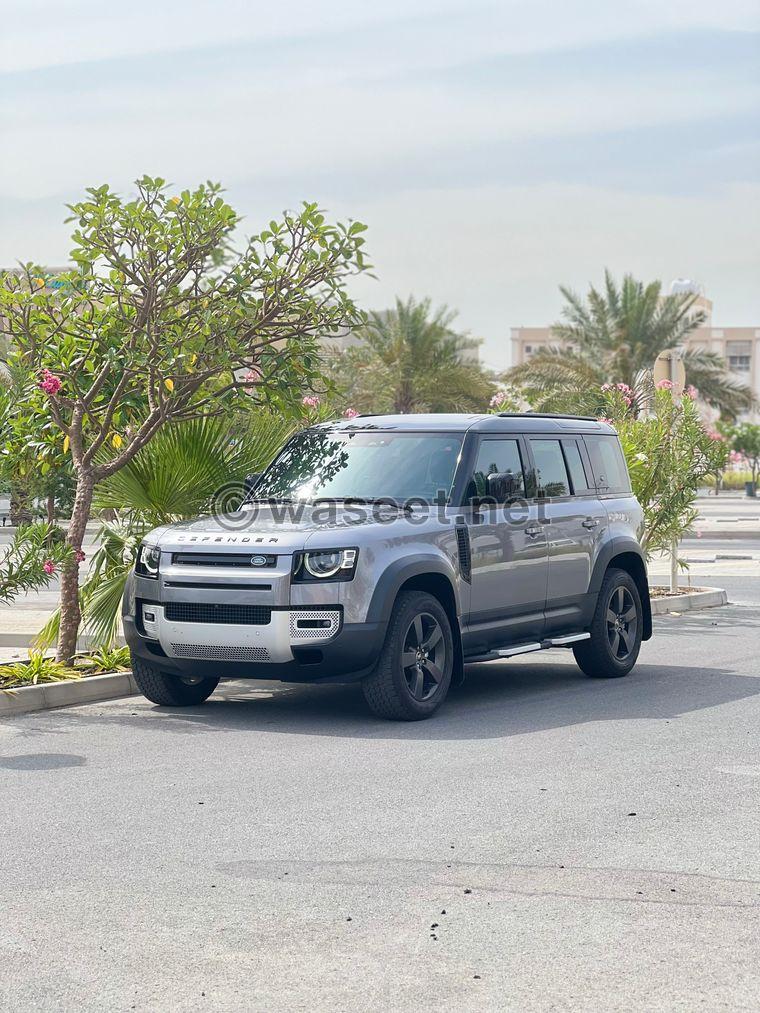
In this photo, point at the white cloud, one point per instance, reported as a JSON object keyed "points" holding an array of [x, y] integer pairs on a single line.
{"points": [[39, 34]]}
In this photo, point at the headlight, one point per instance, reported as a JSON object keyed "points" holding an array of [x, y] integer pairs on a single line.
{"points": [[148, 558], [327, 564]]}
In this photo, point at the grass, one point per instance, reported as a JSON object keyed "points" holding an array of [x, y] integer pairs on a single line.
{"points": [[41, 669]]}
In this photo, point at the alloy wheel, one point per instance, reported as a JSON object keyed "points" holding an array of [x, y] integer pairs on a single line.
{"points": [[423, 656], [622, 623]]}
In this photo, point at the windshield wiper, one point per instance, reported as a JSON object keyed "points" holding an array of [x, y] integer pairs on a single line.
{"points": [[268, 499]]}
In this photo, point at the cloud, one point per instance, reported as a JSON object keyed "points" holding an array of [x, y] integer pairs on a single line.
{"points": [[495, 149]]}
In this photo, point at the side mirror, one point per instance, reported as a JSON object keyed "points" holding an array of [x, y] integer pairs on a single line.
{"points": [[249, 482], [502, 486]]}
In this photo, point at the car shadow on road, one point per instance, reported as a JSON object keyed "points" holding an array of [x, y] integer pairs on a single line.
{"points": [[497, 700]]}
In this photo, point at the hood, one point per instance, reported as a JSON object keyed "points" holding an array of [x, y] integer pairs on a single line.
{"points": [[286, 526]]}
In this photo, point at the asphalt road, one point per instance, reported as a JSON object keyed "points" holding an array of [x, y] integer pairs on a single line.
{"points": [[594, 845]]}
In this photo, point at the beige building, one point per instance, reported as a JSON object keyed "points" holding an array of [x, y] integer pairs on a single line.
{"points": [[739, 346]]}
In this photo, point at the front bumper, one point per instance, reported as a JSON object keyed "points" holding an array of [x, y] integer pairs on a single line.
{"points": [[276, 650]]}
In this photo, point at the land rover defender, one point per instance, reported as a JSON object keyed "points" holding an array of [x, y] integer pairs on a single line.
{"points": [[394, 550]]}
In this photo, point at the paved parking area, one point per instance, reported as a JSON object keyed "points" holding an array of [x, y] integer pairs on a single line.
{"points": [[547, 842]]}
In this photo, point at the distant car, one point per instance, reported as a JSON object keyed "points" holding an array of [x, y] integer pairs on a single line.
{"points": [[393, 550]]}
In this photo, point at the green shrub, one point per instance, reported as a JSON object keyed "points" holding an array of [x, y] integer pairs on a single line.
{"points": [[38, 669]]}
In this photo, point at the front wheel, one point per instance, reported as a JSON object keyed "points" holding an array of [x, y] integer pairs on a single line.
{"points": [[171, 690], [615, 629], [413, 673]]}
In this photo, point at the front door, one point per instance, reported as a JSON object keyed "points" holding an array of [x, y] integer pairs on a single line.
{"points": [[574, 520], [508, 549]]}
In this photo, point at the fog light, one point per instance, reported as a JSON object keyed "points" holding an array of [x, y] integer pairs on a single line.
{"points": [[150, 621]]}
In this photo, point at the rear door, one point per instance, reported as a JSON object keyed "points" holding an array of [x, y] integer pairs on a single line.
{"points": [[574, 520], [508, 549]]}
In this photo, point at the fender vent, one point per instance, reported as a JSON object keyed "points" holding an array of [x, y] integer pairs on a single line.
{"points": [[463, 551]]}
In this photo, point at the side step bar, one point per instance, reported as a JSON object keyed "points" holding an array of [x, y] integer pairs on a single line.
{"points": [[544, 645], [564, 641]]}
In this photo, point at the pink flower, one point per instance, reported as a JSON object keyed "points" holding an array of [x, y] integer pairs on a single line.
{"points": [[498, 398], [49, 567], [735, 457], [603, 418], [350, 413], [714, 435], [80, 556], [50, 383], [665, 385], [310, 401], [252, 377], [691, 392], [605, 387]]}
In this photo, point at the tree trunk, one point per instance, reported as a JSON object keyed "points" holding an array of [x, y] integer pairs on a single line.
{"points": [[20, 511], [404, 399], [51, 509], [71, 615]]}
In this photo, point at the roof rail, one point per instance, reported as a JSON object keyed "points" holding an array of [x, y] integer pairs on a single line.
{"points": [[546, 415]]}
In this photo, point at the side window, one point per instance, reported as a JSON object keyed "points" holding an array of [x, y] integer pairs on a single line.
{"points": [[574, 462], [498, 472], [550, 468], [608, 463]]}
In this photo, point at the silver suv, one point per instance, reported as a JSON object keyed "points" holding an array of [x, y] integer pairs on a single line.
{"points": [[393, 550]]}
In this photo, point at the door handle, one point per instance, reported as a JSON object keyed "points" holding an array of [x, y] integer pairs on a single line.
{"points": [[590, 522], [533, 531]]}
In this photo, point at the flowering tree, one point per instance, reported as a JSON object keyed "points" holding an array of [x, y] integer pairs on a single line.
{"points": [[31, 560], [162, 321], [669, 451], [745, 439]]}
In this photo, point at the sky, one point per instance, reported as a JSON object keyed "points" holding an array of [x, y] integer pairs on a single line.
{"points": [[495, 149]]}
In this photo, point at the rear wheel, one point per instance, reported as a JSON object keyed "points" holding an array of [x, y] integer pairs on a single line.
{"points": [[171, 690], [413, 674], [615, 629]]}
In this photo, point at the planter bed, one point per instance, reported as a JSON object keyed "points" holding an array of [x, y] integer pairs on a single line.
{"points": [[665, 601], [69, 691]]}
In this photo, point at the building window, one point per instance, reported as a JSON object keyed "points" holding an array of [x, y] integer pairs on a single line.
{"points": [[739, 363], [739, 355]]}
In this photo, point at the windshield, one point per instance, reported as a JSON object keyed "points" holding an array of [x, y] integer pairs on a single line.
{"points": [[319, 464]]}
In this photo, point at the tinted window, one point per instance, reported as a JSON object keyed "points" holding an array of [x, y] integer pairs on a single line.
{"points": [[498, 457], [608, 464], [550, 468], [574, 463]]}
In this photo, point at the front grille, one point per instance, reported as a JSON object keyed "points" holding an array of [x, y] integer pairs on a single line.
{"points": [[225, 559], [220, 653], [208, 612]]}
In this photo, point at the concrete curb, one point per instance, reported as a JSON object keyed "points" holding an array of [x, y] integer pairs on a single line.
{"points": [[704, 598], [67, 693]]}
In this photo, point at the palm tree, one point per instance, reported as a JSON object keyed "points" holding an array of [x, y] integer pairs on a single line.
{"points": [[187, 469], [410, 359], [615, 334]]}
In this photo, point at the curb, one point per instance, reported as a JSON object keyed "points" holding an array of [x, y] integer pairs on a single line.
{"points": [[706, 597], [63, 694]]}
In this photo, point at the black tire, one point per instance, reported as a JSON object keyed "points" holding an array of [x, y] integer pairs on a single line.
{"points": [[615, 629], [414, 691], [170, 690]]}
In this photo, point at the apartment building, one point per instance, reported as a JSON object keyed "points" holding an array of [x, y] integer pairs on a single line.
{"points": [[739, 346]]}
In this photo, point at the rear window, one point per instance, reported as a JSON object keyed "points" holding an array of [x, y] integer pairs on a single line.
{"points": [[608, 464]]}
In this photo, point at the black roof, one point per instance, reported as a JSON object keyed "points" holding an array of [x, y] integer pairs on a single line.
{"points": [[504, 422]]}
